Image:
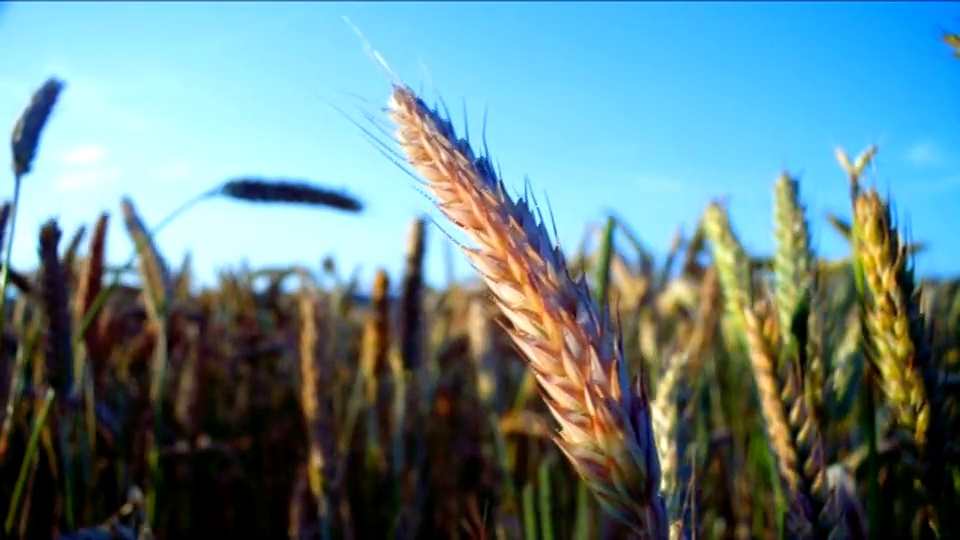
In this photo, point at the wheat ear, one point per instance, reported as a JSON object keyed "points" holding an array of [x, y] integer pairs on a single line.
{"points": [[568, 340]]}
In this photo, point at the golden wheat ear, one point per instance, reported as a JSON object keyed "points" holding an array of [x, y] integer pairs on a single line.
{"points": [[568, 340]]}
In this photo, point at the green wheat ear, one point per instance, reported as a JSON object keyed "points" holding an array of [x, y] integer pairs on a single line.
{"points": [[793, 261], [733, 265]]}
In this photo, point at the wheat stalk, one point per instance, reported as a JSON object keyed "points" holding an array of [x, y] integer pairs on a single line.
{"points": [[568, 340]]}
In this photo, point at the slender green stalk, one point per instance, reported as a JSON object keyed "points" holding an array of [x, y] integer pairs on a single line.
{"points": [[8, 252], [603, 269], [529, 513], [582, 523], [67, 425], [158, 376], [13, 395], [545, 499], [581, 527], [867, 419], [503, 459], [30, 455]]}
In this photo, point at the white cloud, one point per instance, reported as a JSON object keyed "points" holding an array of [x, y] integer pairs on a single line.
{"points": [[924, 154], [662, 185], [83, 180], [665, 186], [87, 154]]}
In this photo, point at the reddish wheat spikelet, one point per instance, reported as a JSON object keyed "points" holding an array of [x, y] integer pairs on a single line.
{"points": [[153, 269], [568, 340], [376, 369], [70, 255], [89, 285]]}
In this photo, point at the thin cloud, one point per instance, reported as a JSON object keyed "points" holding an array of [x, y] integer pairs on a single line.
{"points": [[93, 97], [14, 89], [83, 180], [667, 186], [924, 154], [172, 172], [84, 155], [663, 185], [949, 184]]}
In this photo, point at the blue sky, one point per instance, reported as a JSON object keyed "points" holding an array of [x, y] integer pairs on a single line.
{"points": [[648, 110]]}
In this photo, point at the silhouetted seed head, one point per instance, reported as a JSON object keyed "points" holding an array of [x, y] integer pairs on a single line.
{"points": [[21, 282], [153, 269], [412, 299], [288, 192], [27, 130], [57, 345], [89, 285]]}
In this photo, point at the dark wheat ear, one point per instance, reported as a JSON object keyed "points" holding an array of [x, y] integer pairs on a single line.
{"points": [[26, 132], [53, 286], [259, 190]]}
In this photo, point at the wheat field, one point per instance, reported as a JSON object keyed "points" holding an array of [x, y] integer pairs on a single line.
{"points": [[602, 393]]}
